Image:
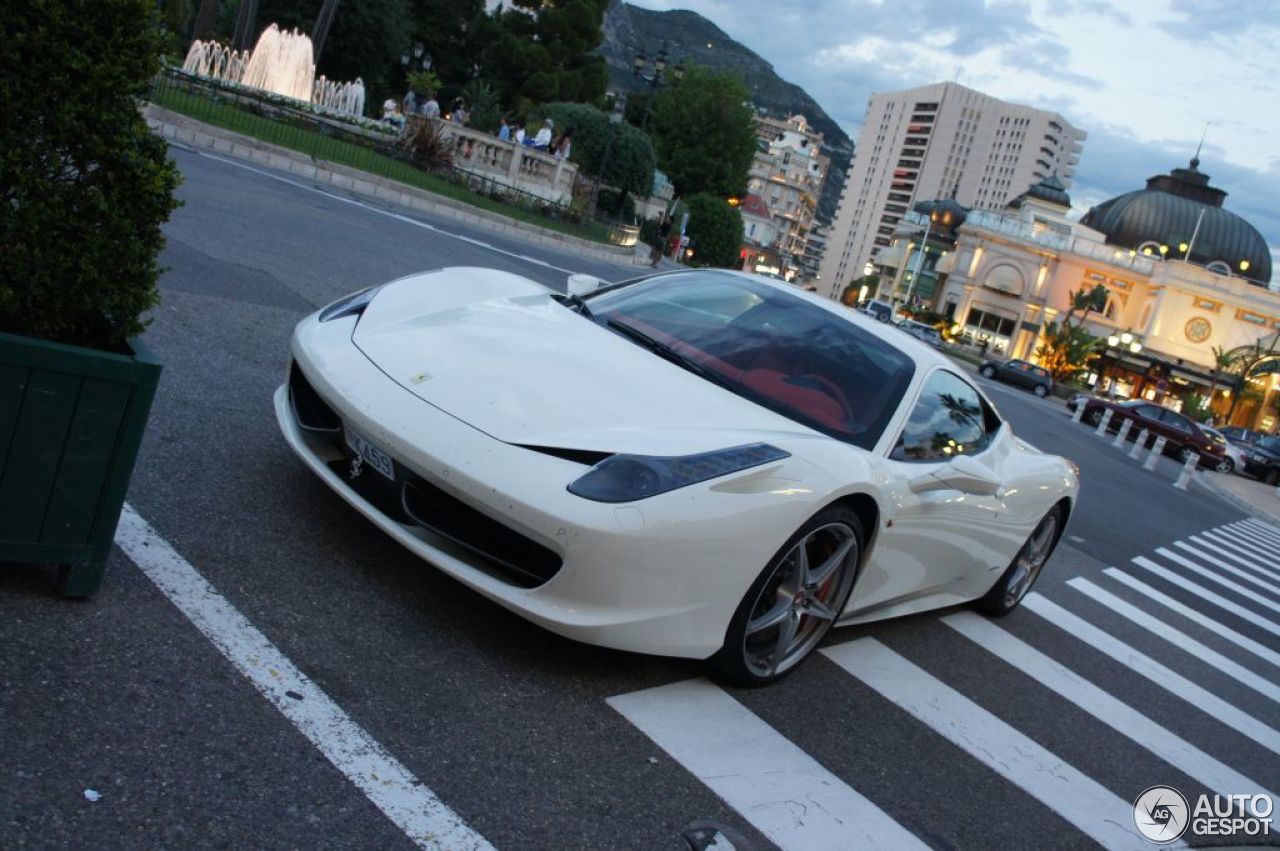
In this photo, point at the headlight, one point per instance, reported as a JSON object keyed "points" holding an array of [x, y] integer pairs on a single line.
{"points": [[1073, 467], [352, 305], [626, 478]]}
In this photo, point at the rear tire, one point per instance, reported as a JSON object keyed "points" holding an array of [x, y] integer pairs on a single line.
{"points": [[1093, 417], [1184, 453], [1040, 390], [1016, 582], [795, 600], [988, 371], [1273, 477]]}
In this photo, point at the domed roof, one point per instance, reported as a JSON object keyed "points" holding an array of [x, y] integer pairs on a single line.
{"points": [[1050, 190], [1167, 213], [947, 213]]}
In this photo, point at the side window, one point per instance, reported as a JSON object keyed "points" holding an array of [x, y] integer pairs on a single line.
{"points": [[1151, 412], [1176, 420], [946, 420]]}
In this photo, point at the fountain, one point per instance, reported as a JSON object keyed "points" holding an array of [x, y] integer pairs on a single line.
{"points": [[280, 63]]}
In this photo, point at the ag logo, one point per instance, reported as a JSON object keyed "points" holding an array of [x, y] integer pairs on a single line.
{"points": [[1161, 814]]}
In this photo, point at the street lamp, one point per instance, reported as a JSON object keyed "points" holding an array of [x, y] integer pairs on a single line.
{"points": [[615, 118], [656, 79]]}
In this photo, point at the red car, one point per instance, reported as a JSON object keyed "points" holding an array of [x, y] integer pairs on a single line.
{"points": [[1185, 437]]}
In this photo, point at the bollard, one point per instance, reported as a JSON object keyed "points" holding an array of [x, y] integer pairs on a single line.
{"points": [[1078, 414], [1104, 423], [1122, 434], [1156, 449], [1139, 445], [1188, 468]]}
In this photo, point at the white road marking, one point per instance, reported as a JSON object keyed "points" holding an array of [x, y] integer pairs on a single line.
{"points": [[1205, 594], [1177, 638], [381, 212], [1216, 627], [1161, 675], [1237, 552], [1111, 711], [384, 780], [1267, 529], [1221, 580], [779, 788], [1259, 539], [1079, 799]]}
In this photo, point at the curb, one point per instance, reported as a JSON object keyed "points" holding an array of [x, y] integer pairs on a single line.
{"points": [[1247, 506], [185, 130]]}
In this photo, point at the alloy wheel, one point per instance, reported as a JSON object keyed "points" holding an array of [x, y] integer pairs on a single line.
{"points": [[1030, 560], [800, 600]]}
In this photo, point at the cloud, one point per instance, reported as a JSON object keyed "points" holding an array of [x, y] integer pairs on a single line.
{"points": [[1220, 20]]}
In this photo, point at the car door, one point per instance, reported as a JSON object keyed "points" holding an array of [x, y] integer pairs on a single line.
{"points": [[1018, 373], [1184, 432], [939, 540], [1145, 416]]}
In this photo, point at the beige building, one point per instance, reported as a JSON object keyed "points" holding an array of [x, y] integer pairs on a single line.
{"points": [[932, 142], [787, 174], [1184, 277]]}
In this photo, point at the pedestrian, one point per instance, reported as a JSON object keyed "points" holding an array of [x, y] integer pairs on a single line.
{"points": [[504, 131], [542, 141], [430, 108], [664, 233], [563, 145], [519, 134], [410, 102], [460, 114]]}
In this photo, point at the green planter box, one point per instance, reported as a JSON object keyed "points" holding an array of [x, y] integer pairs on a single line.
{"points": [[71, 421]]}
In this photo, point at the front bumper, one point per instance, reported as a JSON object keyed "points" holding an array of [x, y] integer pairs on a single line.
{"points": [[661, 576]]}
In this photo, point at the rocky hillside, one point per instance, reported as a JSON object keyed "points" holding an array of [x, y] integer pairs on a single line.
{"points": [[689, 36]]}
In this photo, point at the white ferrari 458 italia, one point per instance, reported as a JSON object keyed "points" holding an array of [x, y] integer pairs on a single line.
{"points": [[700, 463]]}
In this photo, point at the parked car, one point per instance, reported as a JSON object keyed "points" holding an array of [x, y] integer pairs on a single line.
{"points": [[881, 310], [1185, 436], [922, 332], [1262, 459], [1078, 399], [1019, 372], [727, 499], [1234, 452], [1245, 436]]}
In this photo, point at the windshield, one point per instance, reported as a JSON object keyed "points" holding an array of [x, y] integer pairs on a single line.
{"points": [[796, 358], [1271, 444]]}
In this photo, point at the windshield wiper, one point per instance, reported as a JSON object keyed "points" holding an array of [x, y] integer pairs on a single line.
{"points": [[575, 303], [664, 351]]}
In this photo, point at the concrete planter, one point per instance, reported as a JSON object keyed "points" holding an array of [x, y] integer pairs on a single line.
{"points": [[71, 421]]}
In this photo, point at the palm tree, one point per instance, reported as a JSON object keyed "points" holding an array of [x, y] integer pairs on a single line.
{"points": [[1222, 360]]}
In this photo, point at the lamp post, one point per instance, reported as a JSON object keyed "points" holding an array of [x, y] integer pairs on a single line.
{"points": [[615, 118], [1123, 341], [654, 77]]}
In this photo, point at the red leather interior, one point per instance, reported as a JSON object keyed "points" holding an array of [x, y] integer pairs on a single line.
{"points": [[814, 403]]}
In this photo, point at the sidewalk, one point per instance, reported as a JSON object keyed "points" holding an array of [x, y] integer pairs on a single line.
{"points": [[188, 131], [1248, 495]]}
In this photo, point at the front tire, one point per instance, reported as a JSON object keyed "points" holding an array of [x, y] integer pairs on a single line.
{"points": [[1226, 465], [988, 371], [1093, 417], [794, 601], [1016, 582], [1184, 453]]}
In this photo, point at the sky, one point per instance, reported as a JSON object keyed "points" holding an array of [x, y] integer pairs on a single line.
{"points": [[1144, 78]]}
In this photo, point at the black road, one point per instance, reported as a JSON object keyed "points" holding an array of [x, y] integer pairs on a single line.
{"points": [[508, 724]]}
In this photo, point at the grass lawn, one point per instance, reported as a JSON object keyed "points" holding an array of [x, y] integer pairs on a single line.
{"points": [[353, 155]]}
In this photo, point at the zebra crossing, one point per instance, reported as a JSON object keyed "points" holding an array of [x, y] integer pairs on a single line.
{"points": [[1171, 662]]}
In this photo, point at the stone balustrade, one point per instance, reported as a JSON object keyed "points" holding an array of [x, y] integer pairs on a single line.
{"points": [[537, 172]]}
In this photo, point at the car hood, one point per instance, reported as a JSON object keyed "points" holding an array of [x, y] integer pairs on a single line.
{"points": [[497, 352]]}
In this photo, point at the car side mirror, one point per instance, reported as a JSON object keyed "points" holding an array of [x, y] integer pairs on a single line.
{"points": [[962, 473], [581, 284]]}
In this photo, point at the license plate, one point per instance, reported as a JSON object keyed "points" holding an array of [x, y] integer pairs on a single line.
{"points": [[372, 455]]}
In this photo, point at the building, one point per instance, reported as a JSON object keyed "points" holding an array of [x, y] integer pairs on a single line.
{"points": [[1186, 281], [787, 174], [759, 237], [932, 142]]}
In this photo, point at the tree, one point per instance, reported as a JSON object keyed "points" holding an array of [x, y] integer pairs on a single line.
{"points": [[1066, 349], [704, 133], [542, 50], [453, 33], [1244, 361], [631, 158], [1222, 360], [84, 186], [714, 231]]}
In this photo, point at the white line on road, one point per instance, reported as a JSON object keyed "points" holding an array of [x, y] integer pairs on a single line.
{"points": [[1163, 676], [1207, 557], [1111, 711], [1234, 550], [1216, 627], [1247, 593], [1205, 594], [381, 212], [1267, 529], [758, 771], [1257, 537], [383, 779], [1079, 799], [1177, 638]]}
